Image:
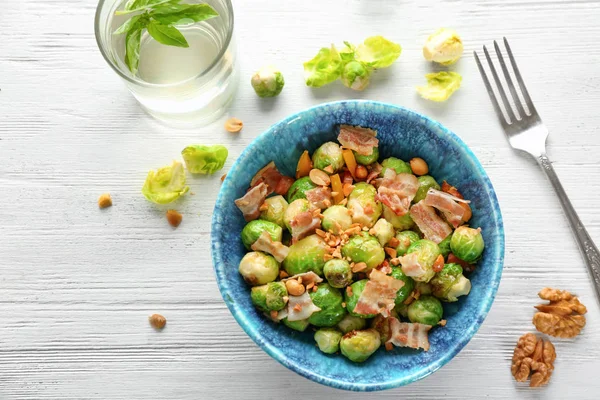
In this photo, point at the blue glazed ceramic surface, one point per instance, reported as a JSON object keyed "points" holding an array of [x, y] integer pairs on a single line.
{"points": [[401, 133]]}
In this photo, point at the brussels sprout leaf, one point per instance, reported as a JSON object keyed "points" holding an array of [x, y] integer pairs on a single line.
{"points": [[324, 68], [440, 85], [378, 52], [165, 184]]}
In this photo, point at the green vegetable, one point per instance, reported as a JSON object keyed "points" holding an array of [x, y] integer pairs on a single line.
{"points": [[444, 246], [383, 231], [406, 239], [358, 346], [269, 297], [409, 284], [356, 75], [299, 326], [254, 229], [166, 184], [423, 287], [378, 52], [401, 223], [329, 300], [450, 283], [402, 309], [338, 273], [294, 208], [324, 68], [427, 251], [328, 340], [401, 167], [267, 82], [367, 160], [299, 188], [351, 323], [328, 154], [426, 310], [440, 85], [426, 182], [443, 46], [351, 300], [275, 210], [200, 159], [306, 255], [361, 200], [467, 243], [258, 268], [364, 248], [336, 219], [158, 18]]}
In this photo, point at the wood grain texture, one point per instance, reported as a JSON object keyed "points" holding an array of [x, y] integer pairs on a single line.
{"points": [[77, 284]]}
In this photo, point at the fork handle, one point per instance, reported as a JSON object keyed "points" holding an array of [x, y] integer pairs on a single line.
{"points": [[586, 245]]}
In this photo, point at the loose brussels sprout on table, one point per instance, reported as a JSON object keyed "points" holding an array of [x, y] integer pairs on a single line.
{"points": [[333, 256], [200, 159], [267, 82], [443, 46]]}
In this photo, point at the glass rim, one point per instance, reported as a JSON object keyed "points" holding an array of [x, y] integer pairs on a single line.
{"points": [[141, 82]]}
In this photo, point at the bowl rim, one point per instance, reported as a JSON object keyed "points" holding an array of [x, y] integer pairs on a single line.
{"points": [[280, 356]]}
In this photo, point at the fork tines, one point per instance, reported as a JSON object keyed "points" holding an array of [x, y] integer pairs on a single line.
{"points": [[507, 114]]}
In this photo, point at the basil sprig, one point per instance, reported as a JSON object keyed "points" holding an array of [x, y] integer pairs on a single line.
{"points": [[159, 17]]}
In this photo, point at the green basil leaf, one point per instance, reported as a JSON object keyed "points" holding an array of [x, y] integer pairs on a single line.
{"points": [[138, 5], [172, 14], [133, 23], [132, 49], [166, 34]]}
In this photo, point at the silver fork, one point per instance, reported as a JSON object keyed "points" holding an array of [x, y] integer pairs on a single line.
{"points": [[526, 131]]}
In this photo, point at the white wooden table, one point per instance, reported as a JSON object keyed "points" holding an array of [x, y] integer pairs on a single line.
{"points": [[77, 284]]}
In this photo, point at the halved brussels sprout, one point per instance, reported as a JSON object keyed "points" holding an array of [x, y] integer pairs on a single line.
{"points": [[336, 219], [401, 167], [409, 284], [467, 243], [328, 154], [299, 188], [258, 268], [383, 231], [166, 184], [361, 201], [299, 326], [425, 310], [443, 46], [329, 300], [406, 239], [269, 297], [364, 248], [358, 346], [328, 340], [450, 283], [306, 255], [200, 159], [351, 323], [367, 160], [294, 208], [351, 300], [426, 182], [254, 229], [444, 246], [356, 75], [338, 273], [275, 210], [401, 223], [427, 252]]}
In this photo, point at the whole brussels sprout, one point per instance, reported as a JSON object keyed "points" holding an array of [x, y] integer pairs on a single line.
{"points": [[443, 46], [364, 248], [361, 201], [275, 210], [426, 182], [355, 75], [269, 297], [336, 219], [409, 284], [406, 239], [329, 300], [351, 300], [450, 283], [401, 167], [299, 188], [254, 229], [402, 309], [367, 160], [401, 223], [427, 251], [357, 346], [383, 231], [338, 273], [267, 82], [423, 287], [467, 243], [328, 340], [258, 268], [299, 326], [294, 208], [444, 246], [306, 255], [329, 153], [351, 323], [426, 310]]}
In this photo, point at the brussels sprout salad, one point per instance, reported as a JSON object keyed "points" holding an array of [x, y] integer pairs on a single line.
{"points": [[364, 250]]}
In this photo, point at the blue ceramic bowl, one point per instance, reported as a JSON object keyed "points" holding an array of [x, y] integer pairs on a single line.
{"points": [[403, 134]]}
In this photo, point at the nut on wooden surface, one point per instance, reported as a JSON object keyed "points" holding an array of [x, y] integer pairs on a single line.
{"points": [[157, 321], [233, 125], [104, 201], [174, 218]]}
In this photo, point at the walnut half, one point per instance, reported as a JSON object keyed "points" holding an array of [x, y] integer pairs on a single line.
{"points": [[533, 356], [562, 316]]}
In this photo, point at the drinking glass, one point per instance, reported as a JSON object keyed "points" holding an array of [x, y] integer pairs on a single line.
{"points": [[180, 86]]}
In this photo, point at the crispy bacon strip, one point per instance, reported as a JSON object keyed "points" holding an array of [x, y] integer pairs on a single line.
{"points": [[307, 278], [300, 307], [304, 224], [252, 200], [374, 171], [319, 197], [266, 244], [275, 181], [379, 294], [447, 204], [361, 140], [397, 191], [433, 227], [411, 335]]}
